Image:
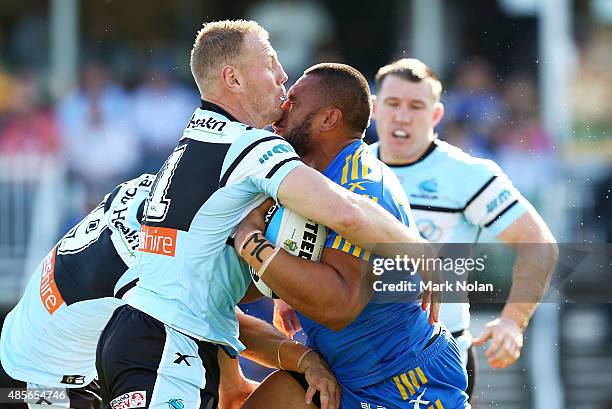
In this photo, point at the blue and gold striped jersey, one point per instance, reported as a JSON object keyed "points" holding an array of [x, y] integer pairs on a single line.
{"points": [[356, 169], [384, 337]]}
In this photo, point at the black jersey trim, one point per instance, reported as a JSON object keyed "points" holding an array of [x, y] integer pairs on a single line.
{"points": [[482, 189], [121, 292], [432, 146], [111, 197], [209, 106], [501, 213], [242, 155], [140, 211], [435, 208], [279, 165]]}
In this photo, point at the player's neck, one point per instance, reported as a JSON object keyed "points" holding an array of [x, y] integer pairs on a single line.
{"points": [[322, 154], [389, 157], [235, 110]]}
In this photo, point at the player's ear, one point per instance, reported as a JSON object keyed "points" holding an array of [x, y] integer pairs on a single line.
{"points": [[331, 120], [374, 106], [438, 113], [231, 78]]}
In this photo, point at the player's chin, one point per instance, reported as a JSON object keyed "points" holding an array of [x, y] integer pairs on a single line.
{"points": [[275, 116]]}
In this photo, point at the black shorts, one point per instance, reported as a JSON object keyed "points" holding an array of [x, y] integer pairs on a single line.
{"points": [[85, 397], [143, 363]]}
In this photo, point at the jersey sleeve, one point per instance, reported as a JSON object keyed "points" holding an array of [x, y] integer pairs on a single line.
{"points": [[263, 163], [337, 242], [497, 204]]}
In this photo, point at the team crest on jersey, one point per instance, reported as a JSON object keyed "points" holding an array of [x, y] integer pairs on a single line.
{"points": [[136, 399], [428, 189]]}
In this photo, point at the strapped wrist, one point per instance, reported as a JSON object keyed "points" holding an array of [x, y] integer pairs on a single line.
{"points": [[257, 251]]}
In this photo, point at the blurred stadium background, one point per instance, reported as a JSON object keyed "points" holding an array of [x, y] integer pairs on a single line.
{"points": [[94, 92]]}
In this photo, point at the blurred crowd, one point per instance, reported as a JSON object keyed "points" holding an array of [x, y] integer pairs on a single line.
{"points": [[118, 122], [105, 131]]}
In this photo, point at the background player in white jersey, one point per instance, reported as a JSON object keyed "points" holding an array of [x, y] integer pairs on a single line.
{"points": [[457, 198], [190, 279], [49, 339]]}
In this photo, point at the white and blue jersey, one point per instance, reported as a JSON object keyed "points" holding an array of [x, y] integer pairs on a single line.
{"points": [[457, 198], [50, 337], [190, 279]]}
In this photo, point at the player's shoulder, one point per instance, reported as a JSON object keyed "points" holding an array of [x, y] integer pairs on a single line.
{"points": [[124, 192], [462, 163], [378, 180]]}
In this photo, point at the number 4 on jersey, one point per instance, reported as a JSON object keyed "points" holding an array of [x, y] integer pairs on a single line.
{"points": [[158, 202]]}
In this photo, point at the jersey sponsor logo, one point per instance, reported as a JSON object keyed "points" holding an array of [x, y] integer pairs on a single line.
{"points": [[158, 240], [210, 124], [501, 198], [49, 293], [419, 400], [129, 235], [182, 358], [73, 379], [280, 148], [136, 399], [176, 404]]}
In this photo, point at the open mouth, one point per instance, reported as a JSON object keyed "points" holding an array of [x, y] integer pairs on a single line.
{"points": [[400, 134]]}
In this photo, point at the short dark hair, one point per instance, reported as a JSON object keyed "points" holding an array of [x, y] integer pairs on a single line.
{"points": [[345, 87], [410, 69]]}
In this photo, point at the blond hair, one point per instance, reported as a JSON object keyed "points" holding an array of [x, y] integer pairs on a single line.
{"points": [[410, 69], [217, 44]]}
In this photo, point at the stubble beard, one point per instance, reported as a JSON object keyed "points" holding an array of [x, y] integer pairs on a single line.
{"points": [[300, 137]]}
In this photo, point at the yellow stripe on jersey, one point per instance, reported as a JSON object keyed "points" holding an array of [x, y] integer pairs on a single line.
{"points": [[422, 376], [355, 167], [407, 383], [356, 252], [439, 404], [345, 170], [414, 380], [367, 255], [336, 243], [400, 387], [364, 170], [347, 246]]}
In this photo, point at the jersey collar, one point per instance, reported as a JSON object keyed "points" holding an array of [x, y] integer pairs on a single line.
{"points": [[209, 106], [340, 158], [432, 147]]}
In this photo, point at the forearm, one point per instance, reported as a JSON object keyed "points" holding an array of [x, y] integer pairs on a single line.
{"points": [[358, 219], [262, 343], [530, 278], [337, 302], [295, 280]]}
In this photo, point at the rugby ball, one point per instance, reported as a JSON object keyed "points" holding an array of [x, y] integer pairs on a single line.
{"points": [[294, 233]]}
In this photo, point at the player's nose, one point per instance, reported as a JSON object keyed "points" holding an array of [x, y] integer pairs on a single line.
{"points": [[283, 77], [402, 115]]}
